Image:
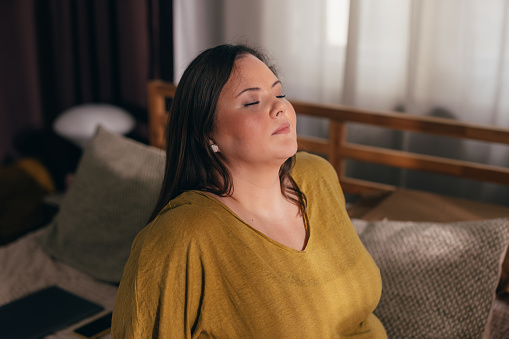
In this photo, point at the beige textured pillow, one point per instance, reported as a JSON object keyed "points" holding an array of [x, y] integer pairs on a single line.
{"points": [[438, 279], [412, 205], [112, 196]]}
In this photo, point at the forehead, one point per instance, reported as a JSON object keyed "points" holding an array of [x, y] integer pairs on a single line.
{"points": [[249, 71]]}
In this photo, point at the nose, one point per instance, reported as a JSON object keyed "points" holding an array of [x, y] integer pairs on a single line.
{"points": [[278, 108]]}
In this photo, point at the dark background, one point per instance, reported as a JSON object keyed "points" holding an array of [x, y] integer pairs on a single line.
{"points": [[56, 54]]}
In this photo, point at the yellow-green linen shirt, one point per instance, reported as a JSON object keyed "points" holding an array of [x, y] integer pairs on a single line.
{"points": [[199, 271]]}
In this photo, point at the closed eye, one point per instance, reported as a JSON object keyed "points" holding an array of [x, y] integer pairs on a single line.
{"points": [[257, 102]]}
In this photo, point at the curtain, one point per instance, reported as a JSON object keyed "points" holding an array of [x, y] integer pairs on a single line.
{"points": [[445, 58], [437, 58], [19, 95], [61, 53]]}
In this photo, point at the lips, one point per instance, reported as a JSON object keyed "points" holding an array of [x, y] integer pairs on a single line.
{"points": [[284, 128]]}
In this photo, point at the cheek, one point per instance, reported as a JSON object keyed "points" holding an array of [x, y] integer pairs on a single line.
{"points": [[292, 116], [237, 130]]}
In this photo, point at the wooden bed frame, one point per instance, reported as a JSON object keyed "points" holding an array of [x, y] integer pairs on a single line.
{"points": [[338, 150]]}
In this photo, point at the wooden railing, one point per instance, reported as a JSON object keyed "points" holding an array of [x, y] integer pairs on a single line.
{"points": [[337, 149]]}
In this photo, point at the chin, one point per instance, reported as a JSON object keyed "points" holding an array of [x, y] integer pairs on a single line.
{"points": [[290, 151], [283, 152]]}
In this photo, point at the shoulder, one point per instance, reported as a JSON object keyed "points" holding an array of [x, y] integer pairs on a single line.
{"points": [[188, 212], [180, 227], [316, 177], [309, 166]]}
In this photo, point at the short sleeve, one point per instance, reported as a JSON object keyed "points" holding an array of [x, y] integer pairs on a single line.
{"points": [[160, 292]]}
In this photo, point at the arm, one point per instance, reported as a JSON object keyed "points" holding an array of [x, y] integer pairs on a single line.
{"points": [[160, 292]]}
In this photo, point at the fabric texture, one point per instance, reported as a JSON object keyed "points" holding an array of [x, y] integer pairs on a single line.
{"points": [[115, 189], [439, 279], [498, 324], [424, 206], [199, 271]]}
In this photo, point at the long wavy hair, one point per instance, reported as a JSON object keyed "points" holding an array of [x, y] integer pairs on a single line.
{"points": [[190, 162]]}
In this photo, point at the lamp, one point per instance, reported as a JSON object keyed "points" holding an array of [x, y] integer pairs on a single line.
{"points": [[79, 123]]}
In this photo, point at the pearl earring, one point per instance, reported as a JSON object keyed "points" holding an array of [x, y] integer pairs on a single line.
{"points": [[214, 147]]}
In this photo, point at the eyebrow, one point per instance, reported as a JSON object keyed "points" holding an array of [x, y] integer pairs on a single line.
{"points": [[257, 88]]}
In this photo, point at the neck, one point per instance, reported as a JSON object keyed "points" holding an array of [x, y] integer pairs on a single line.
{"points": [[257, 191]]}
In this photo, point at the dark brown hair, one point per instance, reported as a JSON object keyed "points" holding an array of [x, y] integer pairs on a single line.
{"points": [[190, 163]]}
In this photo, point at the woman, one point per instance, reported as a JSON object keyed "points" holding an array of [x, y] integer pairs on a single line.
{"points": [[248, 239]]}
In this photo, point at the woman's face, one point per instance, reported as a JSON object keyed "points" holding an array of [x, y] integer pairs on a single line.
{"points": [[255, 124]]}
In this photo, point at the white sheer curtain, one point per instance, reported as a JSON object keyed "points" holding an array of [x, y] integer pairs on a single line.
{"points": [[451, 61], [445, 58]]}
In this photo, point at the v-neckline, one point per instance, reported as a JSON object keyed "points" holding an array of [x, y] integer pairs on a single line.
{"points": [[263, 235]]}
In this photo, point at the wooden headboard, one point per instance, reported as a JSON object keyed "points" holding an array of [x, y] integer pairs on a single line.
{"points": [[338, 150]]}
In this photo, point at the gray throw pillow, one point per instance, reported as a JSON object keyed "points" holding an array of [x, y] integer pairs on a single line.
{"points": [[439, 279], [112, 196]]}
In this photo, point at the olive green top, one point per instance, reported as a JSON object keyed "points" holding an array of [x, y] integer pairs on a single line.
{"points": [[199, 271]]}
